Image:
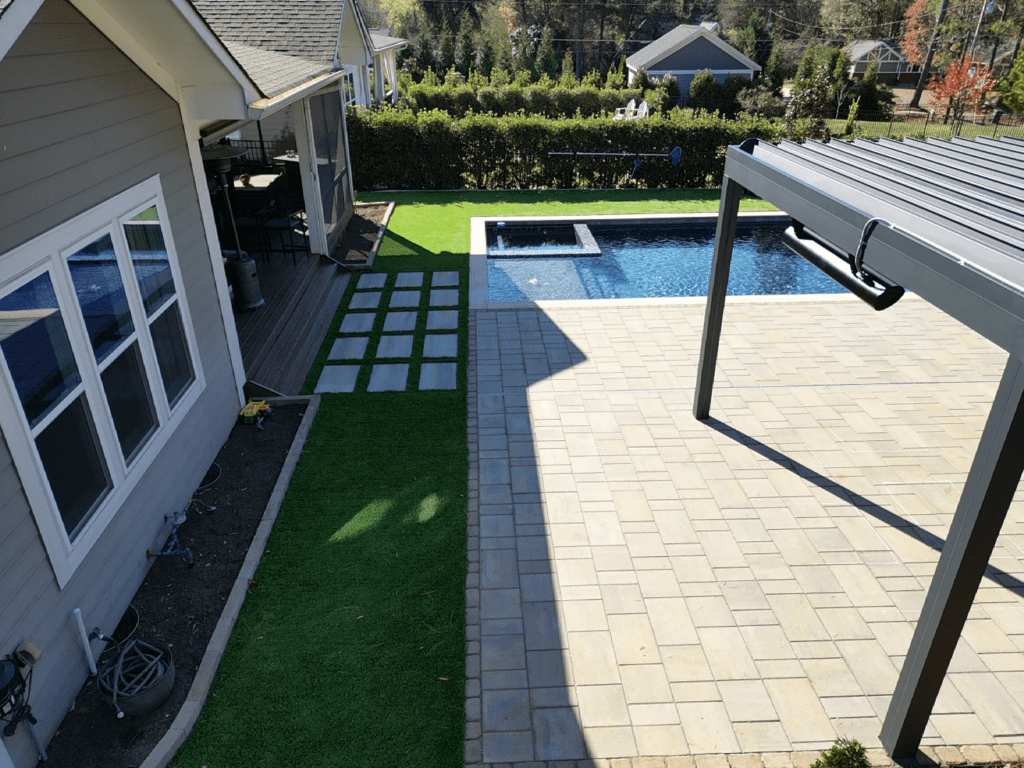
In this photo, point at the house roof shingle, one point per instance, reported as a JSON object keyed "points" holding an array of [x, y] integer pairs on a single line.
{"points": [[275, 73], [304, 29], [678, 38]]}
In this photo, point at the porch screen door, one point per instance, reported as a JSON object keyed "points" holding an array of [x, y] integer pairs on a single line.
{"points": [[325, 111]]}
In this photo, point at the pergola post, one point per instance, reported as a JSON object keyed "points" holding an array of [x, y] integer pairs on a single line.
{"points": [[728, 212], [990, 487]]}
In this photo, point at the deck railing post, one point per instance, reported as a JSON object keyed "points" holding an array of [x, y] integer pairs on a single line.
{"points": [[728, 213]]}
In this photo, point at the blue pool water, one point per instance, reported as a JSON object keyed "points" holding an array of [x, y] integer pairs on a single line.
{"points": [[659, 260]]}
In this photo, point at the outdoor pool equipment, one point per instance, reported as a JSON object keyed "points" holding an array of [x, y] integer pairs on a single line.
{"points": [[638, 157], [14, 692]]}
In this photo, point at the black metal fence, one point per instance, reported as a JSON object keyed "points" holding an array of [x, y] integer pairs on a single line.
{"points": [[926, 124]]}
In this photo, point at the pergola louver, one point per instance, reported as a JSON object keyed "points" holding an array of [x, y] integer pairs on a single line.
{"points": [[950, 227]]}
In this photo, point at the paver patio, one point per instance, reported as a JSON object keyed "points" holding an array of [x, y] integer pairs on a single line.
{"points": [[644, 584]]}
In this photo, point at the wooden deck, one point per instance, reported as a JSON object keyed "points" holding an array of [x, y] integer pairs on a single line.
{"points": [[280, 340]]}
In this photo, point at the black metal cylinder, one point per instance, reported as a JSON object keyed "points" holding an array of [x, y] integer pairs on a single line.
{"points": [[245, 283]]}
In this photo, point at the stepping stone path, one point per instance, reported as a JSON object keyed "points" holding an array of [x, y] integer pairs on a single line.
{"points": [[401, 307]]}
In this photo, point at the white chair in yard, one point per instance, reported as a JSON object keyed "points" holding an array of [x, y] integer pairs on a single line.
{"points": [[642, 111], [627, 112]]}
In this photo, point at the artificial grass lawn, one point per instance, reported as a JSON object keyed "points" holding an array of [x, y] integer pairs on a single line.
{"points": [[350, 650], [427, 223]]}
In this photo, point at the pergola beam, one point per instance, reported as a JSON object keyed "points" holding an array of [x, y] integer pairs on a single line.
{"points": [[964, 255]]}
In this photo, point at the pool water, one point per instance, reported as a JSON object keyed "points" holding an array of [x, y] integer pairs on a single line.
{"points": [[659, 261]]}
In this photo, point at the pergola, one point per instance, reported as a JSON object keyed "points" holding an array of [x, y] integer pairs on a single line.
{"points": [[944, 219]]}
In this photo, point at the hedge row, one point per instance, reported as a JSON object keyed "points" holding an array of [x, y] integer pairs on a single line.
{"points": [[399, 149], [511, 99]]}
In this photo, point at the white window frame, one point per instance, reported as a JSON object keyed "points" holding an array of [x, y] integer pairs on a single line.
{"points": [[48, 253]]}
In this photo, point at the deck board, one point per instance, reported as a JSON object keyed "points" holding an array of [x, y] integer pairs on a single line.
{"points": [[280, 340]]}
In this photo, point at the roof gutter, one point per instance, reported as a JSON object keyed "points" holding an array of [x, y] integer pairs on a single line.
{"points": [[264, 107]]}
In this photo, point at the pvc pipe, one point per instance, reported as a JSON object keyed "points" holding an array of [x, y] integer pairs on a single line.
{"points": [[85, 640]]}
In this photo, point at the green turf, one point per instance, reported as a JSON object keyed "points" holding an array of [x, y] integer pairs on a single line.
{"points": [[426, 223], [350, 649], [934, 128]]}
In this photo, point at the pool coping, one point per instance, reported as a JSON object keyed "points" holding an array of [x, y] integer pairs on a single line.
{"points": [[479, 297]]}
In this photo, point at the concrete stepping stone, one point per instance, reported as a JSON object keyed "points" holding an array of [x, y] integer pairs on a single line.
{"points": [[348, 348], [409, 280], [388, 377], [405, 299], [400, 321], [444, 297], [442, 319], [366, 300], [444, 279], [371, 280], [395, 346], [441, 345], [438, 375], [357, 322], [337, 378]]}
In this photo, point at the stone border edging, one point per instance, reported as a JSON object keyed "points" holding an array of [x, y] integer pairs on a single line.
{"points": [[381, 230], [187, 716]]}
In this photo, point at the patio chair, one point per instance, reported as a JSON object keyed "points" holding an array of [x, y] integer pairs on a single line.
{"points": [[642, 111], [627, 112]]}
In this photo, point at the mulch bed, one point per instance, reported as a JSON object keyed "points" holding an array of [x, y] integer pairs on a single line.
{"points": [[179, 604]]}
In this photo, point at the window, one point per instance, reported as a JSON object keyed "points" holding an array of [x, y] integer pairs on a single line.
{"points": [[98, 361]]}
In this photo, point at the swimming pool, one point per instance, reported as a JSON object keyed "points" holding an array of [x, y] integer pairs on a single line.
{"points": [[665, 257]]}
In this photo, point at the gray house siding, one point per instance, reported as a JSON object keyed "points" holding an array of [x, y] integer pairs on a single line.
{"points": [[699, 54], [80, 123]]}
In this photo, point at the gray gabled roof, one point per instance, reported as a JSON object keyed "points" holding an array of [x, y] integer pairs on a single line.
{"points": [[382, 42], [677, 39], [304, 29], [274, 73], [858, 49]]}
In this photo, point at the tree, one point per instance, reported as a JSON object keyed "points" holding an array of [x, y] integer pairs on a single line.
{"points": [[547, 59], [1012, 86], [822, 84], [705, 92], [874, 99], [864, 19], [966, 85]]}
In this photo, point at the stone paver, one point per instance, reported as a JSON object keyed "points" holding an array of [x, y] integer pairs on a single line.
{"points": [[442, 319], [365, 300], [441, 345], [337, 378], [444, 297], [348, 348], [405, 299], [662, 591], [444, 279], [438, 376], [357, 322], [388, 377], [394, 346], [371, 280], [409, 280], [400, 321]]}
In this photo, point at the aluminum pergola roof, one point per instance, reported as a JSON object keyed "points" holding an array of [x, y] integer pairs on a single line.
{"points": [[944, 219]]}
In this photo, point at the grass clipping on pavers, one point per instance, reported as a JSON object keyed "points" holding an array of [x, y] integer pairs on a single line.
{"points": [[350, 650]]}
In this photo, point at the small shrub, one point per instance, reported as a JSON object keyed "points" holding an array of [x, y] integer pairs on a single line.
{"points": [[845, 753]]}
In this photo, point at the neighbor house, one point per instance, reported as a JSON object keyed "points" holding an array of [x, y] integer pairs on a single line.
{"points": [[120, 367], [893, 67], [687, 50]]}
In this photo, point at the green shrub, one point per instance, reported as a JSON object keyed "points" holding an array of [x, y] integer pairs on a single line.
{"points": [[399, 149], [845, 753]]}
